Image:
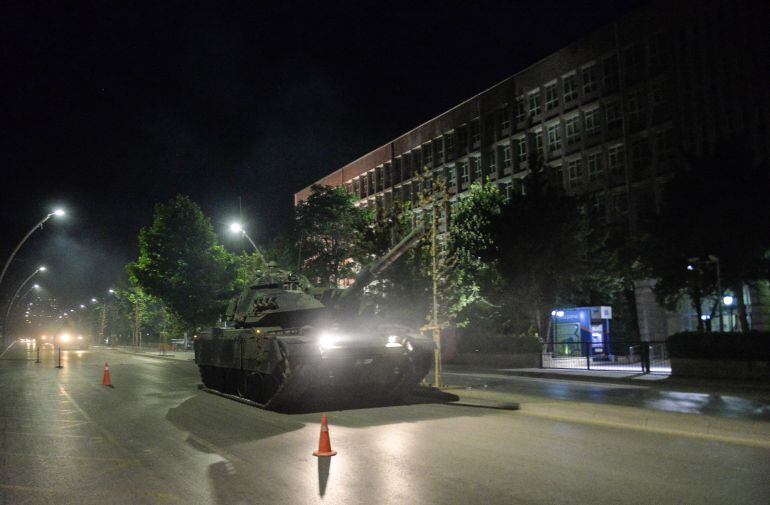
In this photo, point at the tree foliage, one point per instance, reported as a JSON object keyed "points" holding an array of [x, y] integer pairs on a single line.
{"points": [[715, 208], [182, 264], [331, 231]]}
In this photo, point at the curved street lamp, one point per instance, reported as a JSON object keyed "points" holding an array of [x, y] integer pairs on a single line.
{"points": [[238, 228], [16, 295], [57, 212]]}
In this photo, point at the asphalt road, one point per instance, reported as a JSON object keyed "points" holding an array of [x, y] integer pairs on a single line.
{"points": [[156, 438]]}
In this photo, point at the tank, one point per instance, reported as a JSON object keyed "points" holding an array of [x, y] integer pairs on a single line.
{"points": [[285, 344]]}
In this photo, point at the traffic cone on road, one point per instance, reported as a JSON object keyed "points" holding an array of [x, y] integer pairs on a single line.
{"points": [[106, 379], [324, 444]]}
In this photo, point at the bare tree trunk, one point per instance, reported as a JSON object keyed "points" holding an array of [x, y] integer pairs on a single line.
{"points": [[742, 314]]}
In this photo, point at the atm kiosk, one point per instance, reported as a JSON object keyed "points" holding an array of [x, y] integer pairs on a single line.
{"points": [[580, 330]]}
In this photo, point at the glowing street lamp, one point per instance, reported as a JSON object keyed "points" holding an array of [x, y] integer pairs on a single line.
{"points": [[57, 212], [238, 228], [16, 295]]}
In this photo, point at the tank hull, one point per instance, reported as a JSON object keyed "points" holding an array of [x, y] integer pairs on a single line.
{"points": [[286, 370]]}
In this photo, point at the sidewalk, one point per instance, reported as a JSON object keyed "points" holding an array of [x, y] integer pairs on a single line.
{"points": [[659, 381], [154, 352]]}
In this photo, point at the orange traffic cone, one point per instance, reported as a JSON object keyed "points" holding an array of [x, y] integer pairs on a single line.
{"points": [[106, 379], [324, 444]]}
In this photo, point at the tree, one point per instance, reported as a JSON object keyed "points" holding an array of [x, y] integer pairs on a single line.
{"points": [[182, 264], [330, 231], [716, 207], [518, 260]]}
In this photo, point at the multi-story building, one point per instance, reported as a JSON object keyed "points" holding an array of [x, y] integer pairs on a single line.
{"points": [[612, 115]]}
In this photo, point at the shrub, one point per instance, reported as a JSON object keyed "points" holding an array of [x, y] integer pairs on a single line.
{"points": [[751, 346]]}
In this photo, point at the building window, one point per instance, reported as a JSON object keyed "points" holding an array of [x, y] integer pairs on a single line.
{"points": [[507, 158], [521, 150], [475, 133], [635, 109], [554, 137], [551, 97], [558, 175], [615, 160], [465, 174], [508, 190], [449, 143], [572, 126], [592, 122], [595, 164], [492, 167], [575, 171], [476, 168], [610, 68], [570, 87], [664, 148], [427, 155], [534, 103], [539, 143], [640, 156], [505, 121], [614, 116], [439, 143], [452, 174], [521, 111], [357, 188], [590, 79]]}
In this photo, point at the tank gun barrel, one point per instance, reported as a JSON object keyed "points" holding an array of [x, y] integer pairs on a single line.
{"points": [[373, 270]]}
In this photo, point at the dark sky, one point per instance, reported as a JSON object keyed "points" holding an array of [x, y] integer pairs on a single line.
{"points": [[108, 108]]}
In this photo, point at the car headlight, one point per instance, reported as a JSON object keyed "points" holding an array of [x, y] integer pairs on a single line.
{"points": [[328, 341], [393, 341]]}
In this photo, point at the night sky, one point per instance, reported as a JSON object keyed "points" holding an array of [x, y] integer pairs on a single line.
{"points": [[109, 108]]}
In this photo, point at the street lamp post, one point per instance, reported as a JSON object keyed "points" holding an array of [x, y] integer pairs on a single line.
{"points": [[16, 294], [238, 228], [57, 212]]}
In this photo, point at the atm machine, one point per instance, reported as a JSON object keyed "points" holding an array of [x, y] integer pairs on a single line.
{"points": [[580, 330]]}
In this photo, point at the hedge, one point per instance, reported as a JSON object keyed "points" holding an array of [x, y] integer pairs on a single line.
{"points": [[751, 346]]}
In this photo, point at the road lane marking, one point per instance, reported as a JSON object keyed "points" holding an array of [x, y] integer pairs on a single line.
{"points": [[7, 348], [51, 435], [107, 435], [62, 456]]}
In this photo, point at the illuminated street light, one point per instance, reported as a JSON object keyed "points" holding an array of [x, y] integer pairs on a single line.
{"points": [[82, 306], [93, 300], [57, 212], [238, 228], [16, 295]]}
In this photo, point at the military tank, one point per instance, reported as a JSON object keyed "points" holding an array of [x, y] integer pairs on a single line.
{"points": [[285, 344]]}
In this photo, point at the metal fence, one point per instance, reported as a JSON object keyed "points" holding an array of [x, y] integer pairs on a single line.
{"points": [[642, 357]]}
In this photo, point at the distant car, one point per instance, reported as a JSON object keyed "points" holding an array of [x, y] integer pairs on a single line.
{"points": [[67, 341], [182, 344]]}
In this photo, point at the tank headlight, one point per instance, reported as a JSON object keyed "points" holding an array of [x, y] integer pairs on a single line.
{"points": [[393, 341], [328, 341]]}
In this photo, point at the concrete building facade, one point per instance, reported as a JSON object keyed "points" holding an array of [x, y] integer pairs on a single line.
{"points": [[612, 115]]}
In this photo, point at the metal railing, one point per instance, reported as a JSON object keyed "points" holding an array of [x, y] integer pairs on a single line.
{"points": [[642, 357]]}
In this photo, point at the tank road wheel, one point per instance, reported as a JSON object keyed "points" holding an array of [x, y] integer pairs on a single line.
{"points": [[255, 387], [241, 379], [206, 376]]}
